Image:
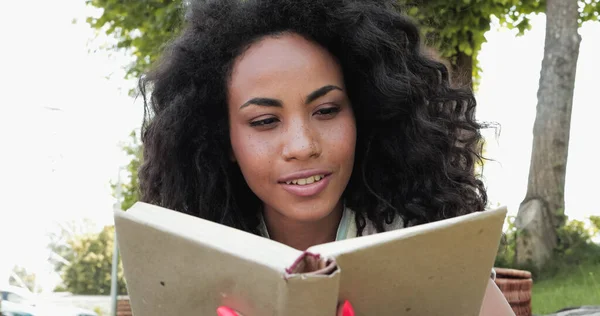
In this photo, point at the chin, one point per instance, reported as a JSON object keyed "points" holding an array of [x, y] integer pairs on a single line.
{"points": [[309, 211]]}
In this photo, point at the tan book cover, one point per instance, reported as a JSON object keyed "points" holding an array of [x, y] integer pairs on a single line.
{"points": [[176, 264]]}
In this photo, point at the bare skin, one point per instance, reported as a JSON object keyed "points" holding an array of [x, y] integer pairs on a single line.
{"points": [[290, 117], [494, 302]]}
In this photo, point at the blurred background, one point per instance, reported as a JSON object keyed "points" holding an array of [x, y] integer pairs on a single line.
{"points": [[69, 129]]}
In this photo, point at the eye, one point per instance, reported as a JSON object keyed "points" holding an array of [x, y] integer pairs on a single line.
{"points": [[328, 112], [264, 122]]}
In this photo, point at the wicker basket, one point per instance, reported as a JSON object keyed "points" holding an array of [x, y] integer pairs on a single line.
{"points": [[516, 286]]}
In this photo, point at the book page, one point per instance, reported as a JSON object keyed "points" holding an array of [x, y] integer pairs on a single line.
{"points": [[176, 264], [234, 241], [440, 268]]}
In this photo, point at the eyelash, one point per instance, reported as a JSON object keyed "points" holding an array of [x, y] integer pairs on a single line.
{"points": [[329, 113], [330, 110], [264, 122]]}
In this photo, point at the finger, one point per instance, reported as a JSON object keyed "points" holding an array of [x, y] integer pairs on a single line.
{"points": [[226, 311]]}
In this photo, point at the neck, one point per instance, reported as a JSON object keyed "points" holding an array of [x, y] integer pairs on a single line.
{"points": [[302, 235]]}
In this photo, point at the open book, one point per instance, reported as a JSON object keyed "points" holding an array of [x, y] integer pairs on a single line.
{"points": [[176, 264]]}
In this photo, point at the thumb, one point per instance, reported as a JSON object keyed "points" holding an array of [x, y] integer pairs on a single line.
{"points": [[226, 311]]}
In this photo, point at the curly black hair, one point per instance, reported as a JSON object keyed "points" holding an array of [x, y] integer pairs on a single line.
{"points": [[417, 139]]}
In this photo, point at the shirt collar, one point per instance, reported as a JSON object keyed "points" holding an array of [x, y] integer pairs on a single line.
{"points": [[346, 228]]}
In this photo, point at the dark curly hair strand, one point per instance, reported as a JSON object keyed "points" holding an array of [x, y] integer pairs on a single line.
{"points": [[417, 140]]}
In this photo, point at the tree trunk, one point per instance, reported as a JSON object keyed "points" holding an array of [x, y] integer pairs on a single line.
{"points": [[462, 71], [460, 66], [542, 210]]}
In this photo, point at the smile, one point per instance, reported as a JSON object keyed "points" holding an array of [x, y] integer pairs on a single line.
{"points": [[305, 181], [307, 187]]}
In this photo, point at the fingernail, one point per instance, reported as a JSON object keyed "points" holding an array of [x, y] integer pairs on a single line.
{"points": [[347, 309], [226, 311]]}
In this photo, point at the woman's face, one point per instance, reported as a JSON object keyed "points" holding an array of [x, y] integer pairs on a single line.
{"points": [[292, 129]]}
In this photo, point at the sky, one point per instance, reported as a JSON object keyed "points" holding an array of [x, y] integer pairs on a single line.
{"points": [[508, 95], [65, 111]]}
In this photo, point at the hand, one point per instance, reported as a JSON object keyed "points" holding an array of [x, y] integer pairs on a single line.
{"points": [[344, 309]]}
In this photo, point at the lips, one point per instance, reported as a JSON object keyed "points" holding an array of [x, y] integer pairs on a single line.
{"points": [[306, 183], [305, 174]]}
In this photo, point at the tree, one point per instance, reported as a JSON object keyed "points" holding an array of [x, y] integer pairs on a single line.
{"points": [[60, 249], [89, 271], [22, 278], [456, 29], [595, 221], [143, 26], [130, 188], [541, 213]]}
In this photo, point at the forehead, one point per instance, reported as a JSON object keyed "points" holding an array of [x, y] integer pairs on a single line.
{"points": [[281, 63]]}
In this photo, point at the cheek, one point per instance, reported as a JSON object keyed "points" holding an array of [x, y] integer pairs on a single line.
{"points": [[341, 140], [252, 153]]}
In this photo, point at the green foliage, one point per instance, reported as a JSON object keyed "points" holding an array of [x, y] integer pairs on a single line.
{"points": [[506, 251], [130, 188], [575, 247], [456, 27], [98, 311], [595, 220], [25, 276], [144, 26], [89, 272], [60, 288], [452, 27], [589, 10], [59, 240], [575, 244], [459, 27], [576, 286]]}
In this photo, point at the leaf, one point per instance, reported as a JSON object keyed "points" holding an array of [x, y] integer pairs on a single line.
{"points": [[159, 21], [91, 266]]}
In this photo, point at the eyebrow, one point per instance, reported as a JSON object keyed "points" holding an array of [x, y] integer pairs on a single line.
{"points": [[277, 103]]}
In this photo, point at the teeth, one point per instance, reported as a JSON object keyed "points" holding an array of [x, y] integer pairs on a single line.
{"points": [[305, 181]]}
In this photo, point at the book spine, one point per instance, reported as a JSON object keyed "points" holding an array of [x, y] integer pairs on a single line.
{"points": [[310, 295]]}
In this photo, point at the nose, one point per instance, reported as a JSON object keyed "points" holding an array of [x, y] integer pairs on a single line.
{"points": [[301, 142]]}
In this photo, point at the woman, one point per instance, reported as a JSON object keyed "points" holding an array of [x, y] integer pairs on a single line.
{"points": [[309, 121]]}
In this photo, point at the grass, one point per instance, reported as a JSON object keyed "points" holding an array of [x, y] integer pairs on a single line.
{"points": [[576, 286]]}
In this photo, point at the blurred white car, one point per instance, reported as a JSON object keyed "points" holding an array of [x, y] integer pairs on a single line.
{"points": [[18, 301], [8, 308]]}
